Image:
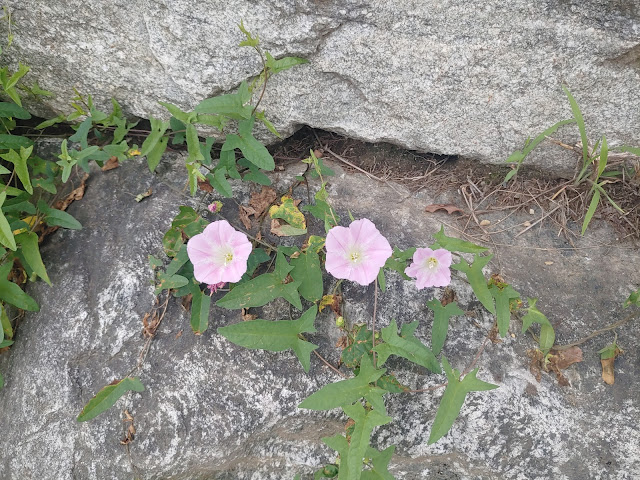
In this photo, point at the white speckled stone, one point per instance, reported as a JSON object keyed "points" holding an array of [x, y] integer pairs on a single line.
{"points": [[470, 78]]}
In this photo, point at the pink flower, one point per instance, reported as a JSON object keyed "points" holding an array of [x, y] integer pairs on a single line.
{"points": [[213, 288], [430, 268], [356, 253], [219, 254]]}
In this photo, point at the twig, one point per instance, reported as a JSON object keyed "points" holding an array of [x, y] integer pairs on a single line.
{"points": [[627, 319], [329, 365], [538, 221]]}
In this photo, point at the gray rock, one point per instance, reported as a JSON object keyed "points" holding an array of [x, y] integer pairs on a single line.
{"points": [[474, 79], [212, 410]]}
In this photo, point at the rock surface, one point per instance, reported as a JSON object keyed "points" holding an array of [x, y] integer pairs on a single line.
{"points": [[212, 410], [474, 79]]}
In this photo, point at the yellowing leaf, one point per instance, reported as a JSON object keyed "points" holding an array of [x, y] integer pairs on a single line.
{"points": [[289, 212]]}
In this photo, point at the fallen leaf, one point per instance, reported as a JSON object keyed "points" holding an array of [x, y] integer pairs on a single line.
{"points": [[325, 302], [246, 316], [562, 359], [186, 302], [262, 200], [450, 209], [343, 342], [608, 357], [75, 194], [205, 186], [144, 195], [448, 296], [111, 164], [179, 334], [282, 229], [244, 213]]}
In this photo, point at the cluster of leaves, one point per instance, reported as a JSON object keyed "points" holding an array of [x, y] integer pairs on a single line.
{"points": [[27, 184], [594, 160]]}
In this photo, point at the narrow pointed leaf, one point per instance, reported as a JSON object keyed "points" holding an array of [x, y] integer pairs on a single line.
{"points": [[441, 322], [200, 305], [11, 110], [453, 399], [345, 392], [31, 252], [503, 297], [158, 129], [81, 133], [58, 218], [533, 315], [380, 462], [408, 347], [476, 279], [456, 245], [20, 165], [108, 396], [252, 149], [6, 234], [275, 336]]}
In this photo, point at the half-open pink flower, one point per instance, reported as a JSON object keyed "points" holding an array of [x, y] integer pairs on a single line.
{"points": [[219, 254], [430, 268], [356, 253]]}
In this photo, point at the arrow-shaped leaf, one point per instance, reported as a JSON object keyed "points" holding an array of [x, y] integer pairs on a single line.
{"points": [[275, 336], [12, 293], [453, 398], [441, 322], [352, 452], [306, 270], [252, 149], [108, 396], [31, 252], [407, 346], [6, 234], [455, 244], [380, 462], [476, 279], [200, 305], [345, 392], [158, 128], [264, 288], [503, 297]]}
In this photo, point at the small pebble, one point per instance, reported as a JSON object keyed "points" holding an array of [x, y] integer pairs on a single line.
{"points": [[484, 223], [527, 224], [532, 211]]}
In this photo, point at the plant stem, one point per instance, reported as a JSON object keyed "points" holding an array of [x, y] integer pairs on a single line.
{"points": [[373, 326]]}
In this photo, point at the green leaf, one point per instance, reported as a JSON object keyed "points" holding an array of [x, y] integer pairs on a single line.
{"points": [[289, 213], [20, 164], [218, 180], [391, 384], [14, 142], [632, 299], [178, 261], [361, 345], [533, 315], [476, 279], [81, 133], [453, 398], [407, 346], [58, 218], [179, 115], [170, 282], [306, 270], [455, 244], [595, 201], [231, 105], [503, 297], [441, 322], [398, 260], [50, 122], [609, 351], [250, 40], [172, 241], [285, 63], [154, 156], [178, 129], [353, 452], [263, 289], [28, 242], [604, 154], [381, 280], [200, 305], [193, 144], [380, 462], [158, 129], [345, 392], [275, 336], [12, 110], [547, 338], [108, 396], [6, 331], [251, 148], [260, 116], [6, 234], [12, 293], [629, 149], [577, 115], [519, 156]]}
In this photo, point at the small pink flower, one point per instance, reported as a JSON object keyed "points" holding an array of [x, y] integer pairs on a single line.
{"points": [[214, 207], [219, 254], [430, 268], [356, 253]]}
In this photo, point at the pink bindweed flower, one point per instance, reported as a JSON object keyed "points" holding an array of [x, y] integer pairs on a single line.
{"points": [[219, 254], [214, 207], [356, 253], [430, 268], [213, 288]]}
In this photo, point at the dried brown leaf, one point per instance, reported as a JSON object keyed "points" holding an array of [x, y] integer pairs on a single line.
{"points": [[205, 186], [111, 164], [448, 296], [246, 316], [448, 207], [260, 201], [564, 358], [244, 213]]}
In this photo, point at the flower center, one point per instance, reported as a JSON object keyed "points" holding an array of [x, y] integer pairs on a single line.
{"points": [[432, 263], [228, 258], [355, 256]]}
